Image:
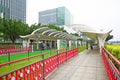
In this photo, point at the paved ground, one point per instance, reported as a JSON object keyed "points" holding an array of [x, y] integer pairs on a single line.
{"points": [[88, 65]]}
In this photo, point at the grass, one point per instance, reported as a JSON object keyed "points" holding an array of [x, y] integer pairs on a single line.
{"points": [[4, 58], [82, 48], [8, 68], [17, 65]]}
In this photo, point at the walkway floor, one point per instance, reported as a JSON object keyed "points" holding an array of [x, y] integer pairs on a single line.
{"points": [[88, 65]]}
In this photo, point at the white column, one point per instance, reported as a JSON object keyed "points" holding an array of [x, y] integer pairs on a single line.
{"points": [[69, 44], [58, 44], [101, 40], [28, 43], [37, 45], [76, 43], [25, 43], [32, 47]]}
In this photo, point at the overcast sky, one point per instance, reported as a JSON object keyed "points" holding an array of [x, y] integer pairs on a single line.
{"points": [[102, 14]]}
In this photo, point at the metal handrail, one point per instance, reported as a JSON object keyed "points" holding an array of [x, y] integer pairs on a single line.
{"points": [[40, 69], [114, 58], [112, 70]]}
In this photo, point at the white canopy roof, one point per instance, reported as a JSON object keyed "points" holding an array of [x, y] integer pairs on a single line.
{"points": [[46, 33], [89, 31], [92, 33]]}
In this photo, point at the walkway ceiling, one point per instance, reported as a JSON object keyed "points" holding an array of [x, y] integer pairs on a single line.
{"points": [[89, 31], [92, 33], [46, 33]]}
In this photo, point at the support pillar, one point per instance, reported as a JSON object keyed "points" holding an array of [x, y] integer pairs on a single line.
{"points": [[26, 43], [58, 44], [69, 44], [101, 40], [76, 44], [37, 45]]}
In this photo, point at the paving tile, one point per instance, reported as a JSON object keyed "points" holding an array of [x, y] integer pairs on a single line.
{"points": [[86, 79], [91, 71], [102, 77], [88, 65], [76, 78], [89, 76], [101, 71]]}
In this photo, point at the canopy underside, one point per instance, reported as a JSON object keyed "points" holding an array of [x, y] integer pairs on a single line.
{"points": [[46, 33]]}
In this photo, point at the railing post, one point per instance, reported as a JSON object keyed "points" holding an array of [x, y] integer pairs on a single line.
{"points": [[17, 75], [57, 58], [73, 52], [50, 51], [0, 78], [8, 57], [66, 54], [43, 76], [28, 54], [112, 71]]}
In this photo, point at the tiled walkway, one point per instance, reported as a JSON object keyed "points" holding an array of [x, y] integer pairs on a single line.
{"points": [[88, 65]]}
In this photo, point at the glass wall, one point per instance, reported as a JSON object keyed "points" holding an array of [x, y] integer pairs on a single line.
{"points": [[4, 8], [47, 17], [13, 9], [58, 16], [61, 16]]}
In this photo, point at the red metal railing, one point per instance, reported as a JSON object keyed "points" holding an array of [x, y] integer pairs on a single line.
{"points": [[112, 71], [12, 50], [39, 70]]}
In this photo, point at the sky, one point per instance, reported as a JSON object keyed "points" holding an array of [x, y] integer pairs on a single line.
{"points": [[99, 14]]}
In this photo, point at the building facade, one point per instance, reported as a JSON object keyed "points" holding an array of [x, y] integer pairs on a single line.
{"points": [[58, 16], [13, 9]]}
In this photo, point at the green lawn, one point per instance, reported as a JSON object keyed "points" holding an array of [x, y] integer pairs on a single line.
{"points": [[4, 59], [82, 48], [17, 65]]}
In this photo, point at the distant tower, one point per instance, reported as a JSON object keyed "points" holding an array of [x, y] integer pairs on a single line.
{"points": [[59, 16], [13, 9]]}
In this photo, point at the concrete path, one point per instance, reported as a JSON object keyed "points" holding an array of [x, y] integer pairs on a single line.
{"points": [[88, 65]]}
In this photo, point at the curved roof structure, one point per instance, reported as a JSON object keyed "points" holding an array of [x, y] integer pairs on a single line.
{"points": [[82, 28], [92, 33], [46, 33], [89, 31]]}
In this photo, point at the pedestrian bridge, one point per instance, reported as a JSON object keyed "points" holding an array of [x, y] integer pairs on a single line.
{"points": [[69, 65], [88, 65]]}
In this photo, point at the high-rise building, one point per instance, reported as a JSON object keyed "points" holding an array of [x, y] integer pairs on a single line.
{"points": [[58, 16], [13, 9]]}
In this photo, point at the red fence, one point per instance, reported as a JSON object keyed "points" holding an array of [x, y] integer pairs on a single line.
{"points": [[112, 71], [39, 70], [12, 50]]}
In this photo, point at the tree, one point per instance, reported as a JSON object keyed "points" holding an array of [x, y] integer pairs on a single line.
{"points": [[1, 29], [12, 29], [109, 37], [75, 34], [51, 26], [34, 27]]}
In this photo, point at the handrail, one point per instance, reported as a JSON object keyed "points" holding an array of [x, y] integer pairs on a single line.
{"points": [[3, 64], [112, 70], [114, 58], [5, 51], [11, 62], [40, 69]]}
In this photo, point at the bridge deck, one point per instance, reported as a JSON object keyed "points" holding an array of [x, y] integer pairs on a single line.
{"points": [[88, 65]]}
